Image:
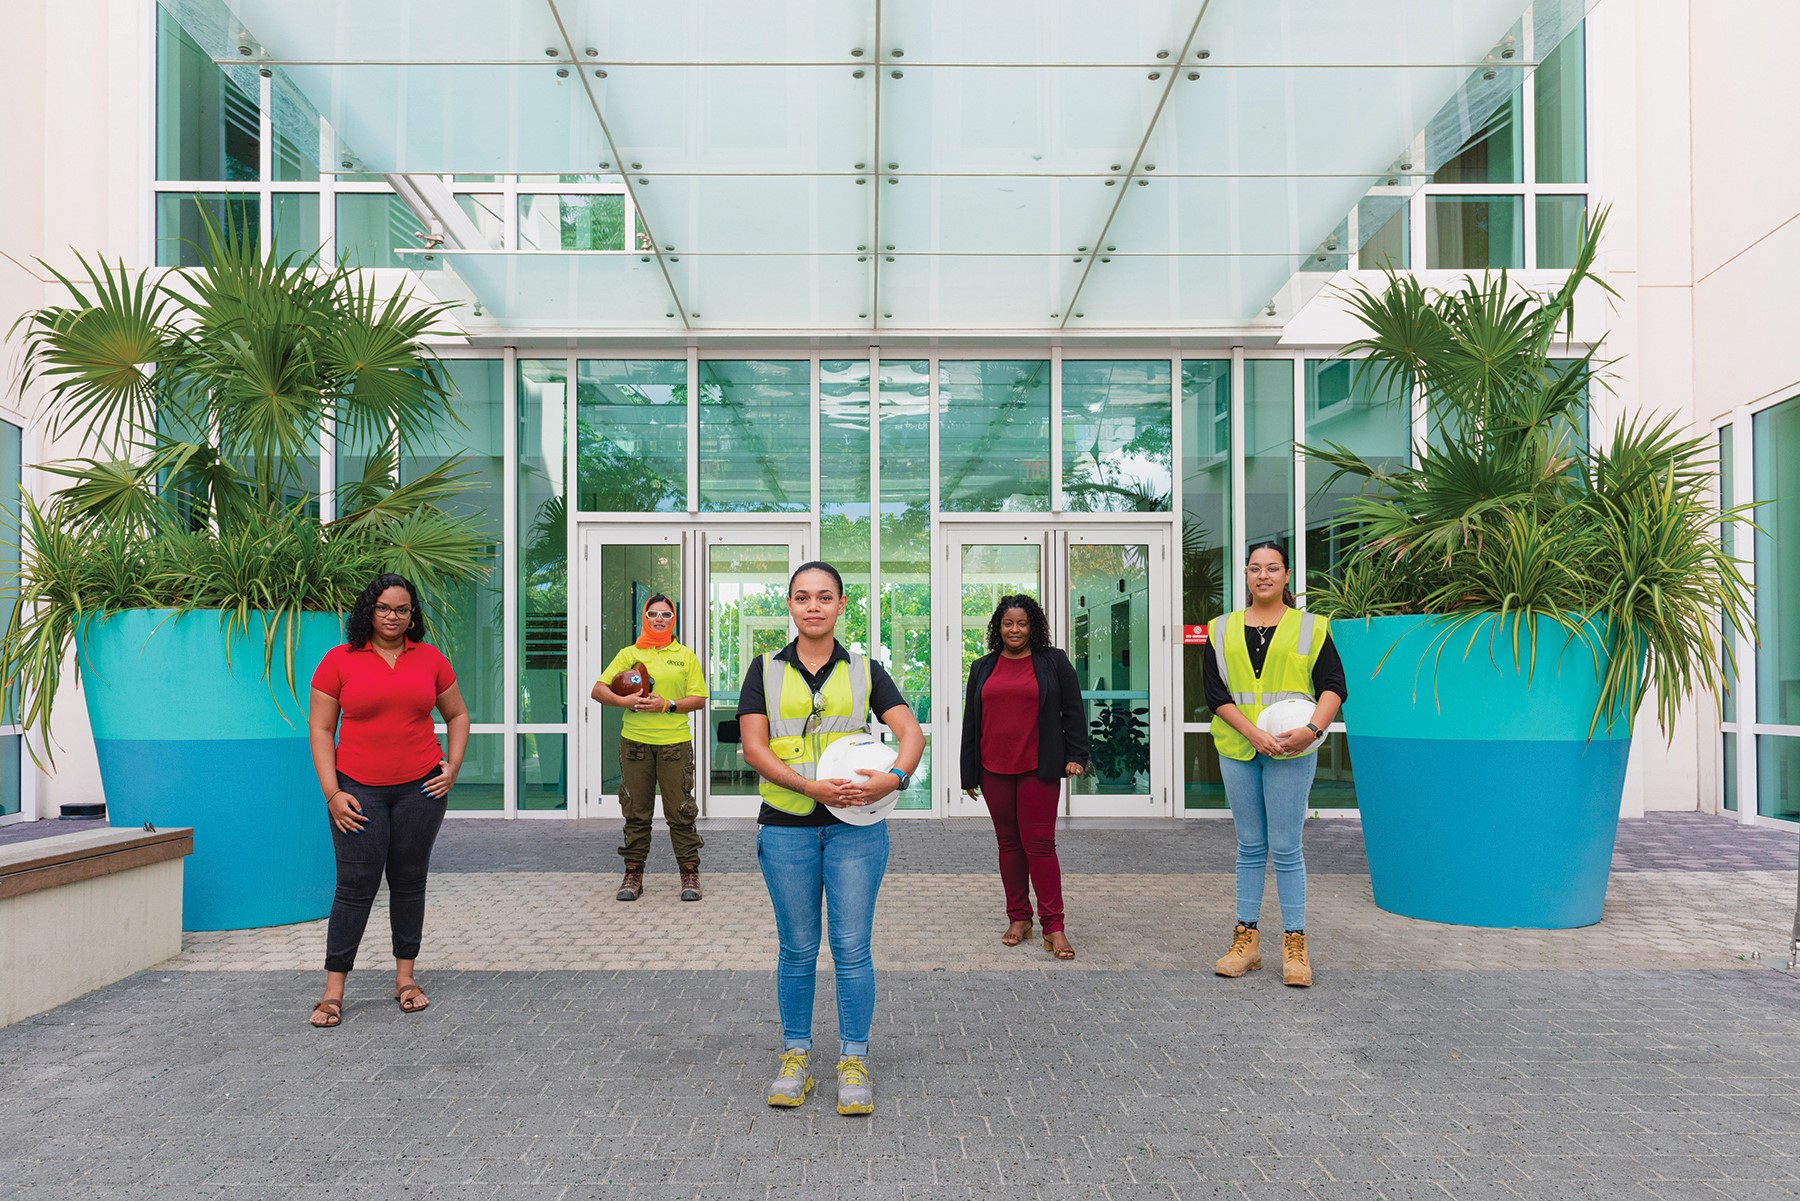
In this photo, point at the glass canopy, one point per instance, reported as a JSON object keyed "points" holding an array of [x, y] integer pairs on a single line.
{"points": [[849, 166]]}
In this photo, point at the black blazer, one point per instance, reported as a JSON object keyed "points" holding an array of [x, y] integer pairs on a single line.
{"points": [[1062, 716]]}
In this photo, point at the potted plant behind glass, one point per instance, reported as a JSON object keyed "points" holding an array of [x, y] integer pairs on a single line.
{"points": [[1519, 590], [185, 562]]}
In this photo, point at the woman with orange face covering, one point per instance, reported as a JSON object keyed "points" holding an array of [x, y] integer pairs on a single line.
{"points": [[656, 747]]}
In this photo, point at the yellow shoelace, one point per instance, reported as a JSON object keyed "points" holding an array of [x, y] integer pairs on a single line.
{"points": [[852, 1071], [793, 1063]]}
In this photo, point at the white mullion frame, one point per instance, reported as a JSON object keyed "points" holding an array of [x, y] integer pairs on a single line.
{"points": [[575, 708], [1058, 502], [943, 785], [693, 430], [1743, 492], [265, 161], [1297, 550], [1234, 592], [1177, 722], [876, 641], [509, 588]]}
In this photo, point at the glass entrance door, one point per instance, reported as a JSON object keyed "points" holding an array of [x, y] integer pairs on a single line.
{"points": [[730, 587], [1105, 590]]}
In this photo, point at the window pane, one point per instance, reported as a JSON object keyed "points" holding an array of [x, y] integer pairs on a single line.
{"points": [[1778, 776], [544, 538], [1118, 436], [1334, 786], [371, 226], [1269, 452], [1492, 155], [1202, 785], [1728, 791], [1775, 438], [1561, 134], [1386, 228], [1474, 232], [296, 230], [481, 785], [1206, 510], [485, 213], [906, 531], [755, 437], [844, 489], [11, 509], [1559, 230], [468, 620], [571, 222], [1109, 645], [629, 577], [994, 436], [1341, 410], [543, 771], [181, 229], [295, 124], [206, 116], [631, 435], [1728, 542]]}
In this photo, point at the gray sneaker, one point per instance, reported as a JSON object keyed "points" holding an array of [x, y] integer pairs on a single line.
{"points": [[856, 1087], [793, 1080]]}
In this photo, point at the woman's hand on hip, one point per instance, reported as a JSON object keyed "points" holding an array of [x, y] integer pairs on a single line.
{"points": [[439, 786], [1073, 769], [346, 813]]}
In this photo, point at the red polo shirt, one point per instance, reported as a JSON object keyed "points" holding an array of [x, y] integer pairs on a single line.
{"points": [[385, 735]]}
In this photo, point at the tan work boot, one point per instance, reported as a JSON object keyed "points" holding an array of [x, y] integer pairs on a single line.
{"points": [[1295, 971], [690, 882], [1245, 954], [632, 886]]}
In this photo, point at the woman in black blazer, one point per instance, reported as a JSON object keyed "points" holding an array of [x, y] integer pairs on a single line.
{"points": [[1024, 730]]}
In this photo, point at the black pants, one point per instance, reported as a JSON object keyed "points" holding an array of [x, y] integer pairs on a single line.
{"points": [[403, 824]]}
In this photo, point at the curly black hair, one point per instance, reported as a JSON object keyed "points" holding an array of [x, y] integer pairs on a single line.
{"points": [[1034, 612], [359, 627]]}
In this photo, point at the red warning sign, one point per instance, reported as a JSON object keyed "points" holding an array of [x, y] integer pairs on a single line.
{"points": [[1193, 635]]}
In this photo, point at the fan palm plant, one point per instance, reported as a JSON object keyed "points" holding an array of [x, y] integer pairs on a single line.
{"points": [[197, 399], [1508, 511]]}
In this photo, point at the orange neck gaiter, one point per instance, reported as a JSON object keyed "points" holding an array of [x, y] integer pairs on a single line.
{"points": [[649, 639]]}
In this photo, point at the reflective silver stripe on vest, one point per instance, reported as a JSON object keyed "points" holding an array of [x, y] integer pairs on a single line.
{"points": [[775, 676], [1218, 650], [1269, 698], [1308, 621], [1243, 698]]}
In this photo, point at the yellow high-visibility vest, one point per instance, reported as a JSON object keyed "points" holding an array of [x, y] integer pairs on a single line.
{"points": [[803, 723], [1287, 671]]}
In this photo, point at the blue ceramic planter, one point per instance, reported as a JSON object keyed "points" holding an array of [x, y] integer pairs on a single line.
{"points": [[1483, 801], [186, 738]]}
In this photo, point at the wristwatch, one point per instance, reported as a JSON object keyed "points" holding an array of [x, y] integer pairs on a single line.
{"points": [[903, 777], [1317, 732]]}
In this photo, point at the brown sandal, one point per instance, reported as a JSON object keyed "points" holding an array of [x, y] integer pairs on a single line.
{"points": [[334, 1013], [1013, 938], [404, 995], [1066, 953]]}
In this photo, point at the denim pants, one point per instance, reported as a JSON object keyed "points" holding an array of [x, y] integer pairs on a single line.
{"points": [[1268, 808], [397, 839], [841, 865]]}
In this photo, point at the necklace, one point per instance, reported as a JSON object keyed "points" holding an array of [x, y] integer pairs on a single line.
{"points": [[1262, 634]]}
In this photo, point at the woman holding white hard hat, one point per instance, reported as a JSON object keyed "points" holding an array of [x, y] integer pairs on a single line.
{"points": [[1274, 683], [819, 837]]}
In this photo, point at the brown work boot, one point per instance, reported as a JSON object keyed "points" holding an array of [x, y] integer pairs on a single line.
{"points": [[1295, 971], [1245, 954], [632, 887], [690, 881]]}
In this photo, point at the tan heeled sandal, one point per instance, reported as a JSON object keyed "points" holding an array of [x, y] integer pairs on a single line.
{"points": [[1013, 938], [1065, 953]]}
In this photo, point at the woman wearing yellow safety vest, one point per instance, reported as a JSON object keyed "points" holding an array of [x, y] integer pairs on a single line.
{"points": [[804, 697], [1266, 653]]}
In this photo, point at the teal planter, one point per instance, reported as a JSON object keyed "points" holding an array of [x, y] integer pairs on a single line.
{"points": [[1483, 801], [186, 738]]}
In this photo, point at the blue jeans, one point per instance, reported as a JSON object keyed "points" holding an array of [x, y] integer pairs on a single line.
{"points": [[1268, 807], [841, 865]]}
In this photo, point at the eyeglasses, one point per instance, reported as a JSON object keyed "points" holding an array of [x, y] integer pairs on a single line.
{"points": [[1266, 570], [818, 711], [391, 611]]}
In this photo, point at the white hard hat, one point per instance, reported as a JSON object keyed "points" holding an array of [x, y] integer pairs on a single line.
{"points": [[840, 761], [1291, 714]]}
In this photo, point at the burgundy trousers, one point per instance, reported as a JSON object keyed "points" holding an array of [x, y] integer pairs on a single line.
{"points": [[1024, 811]]}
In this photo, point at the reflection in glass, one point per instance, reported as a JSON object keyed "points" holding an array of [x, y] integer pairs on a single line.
{"points": [[1334, 785], [631, 435], [294, 158], [1206, 510], [571, 221], [1118, 436], [481, 784], [747, 616], [990, 572], [543, 543], [544, 772], [994, 436], [1202, 785], [1474, 232], [1561, 125], [1385, 225], [755, 436], [484, 212], [844, 489], [1109, 643], [1559, 229], [181, 228], [371, 226], [1778, 776], [629, 576], [1493, 154], [1268, 453], [1775, 442], [207, 119], [1342, 413], [296, 225], [467, 619], [1729, 544], [11, 509], [1728, 771], [905, 450]]}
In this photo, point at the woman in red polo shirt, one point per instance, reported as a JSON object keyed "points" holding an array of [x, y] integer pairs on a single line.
{"points": [[1024, 731], [386, 780]]}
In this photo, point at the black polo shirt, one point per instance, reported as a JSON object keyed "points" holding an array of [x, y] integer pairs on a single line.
{"points": [[884, 695]]}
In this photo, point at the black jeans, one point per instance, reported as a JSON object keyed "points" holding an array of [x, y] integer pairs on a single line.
{"points": [[403, 824]]}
